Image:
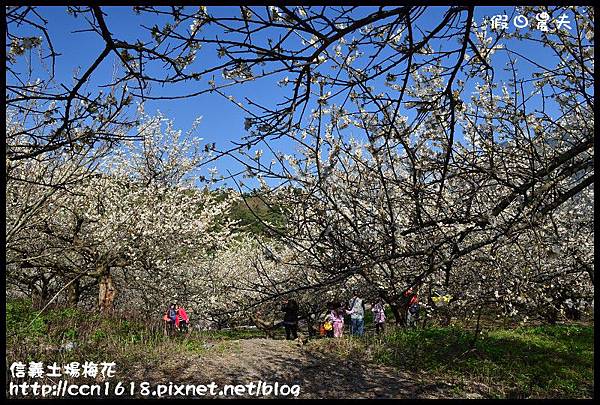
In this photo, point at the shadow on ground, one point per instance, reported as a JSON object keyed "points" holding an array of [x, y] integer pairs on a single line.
{"points": [[319, 375]]}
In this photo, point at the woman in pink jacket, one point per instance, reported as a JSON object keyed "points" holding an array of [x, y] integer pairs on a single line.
{"points": [[182, 318]]}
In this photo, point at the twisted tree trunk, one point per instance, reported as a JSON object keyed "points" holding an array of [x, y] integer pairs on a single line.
{"points": [[399, 315], [39, 294], [74, 293], [107, 291]]}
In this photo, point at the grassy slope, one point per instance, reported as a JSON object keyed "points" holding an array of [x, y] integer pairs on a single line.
{"points": [[246, 215], [129, 343], [544, 361]]}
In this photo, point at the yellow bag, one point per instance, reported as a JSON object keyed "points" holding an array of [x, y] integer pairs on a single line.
{"points": [[328, 326], [442, 300]]}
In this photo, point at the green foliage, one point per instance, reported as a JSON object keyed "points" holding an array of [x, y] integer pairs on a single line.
{"points": [[246, 213], [64, 315], [21, 319], [99, 335], [128, 342], [194, 346], [71, 334], [527, 362], [125, 327]]}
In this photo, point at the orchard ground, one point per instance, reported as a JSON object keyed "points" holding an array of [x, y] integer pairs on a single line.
{"points": [[544, 361]]}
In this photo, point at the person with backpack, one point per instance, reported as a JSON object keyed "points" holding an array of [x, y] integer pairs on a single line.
{"points": [[290, 318], [378, 315], [182, 318], [412, 314], [170, 319], [357, 314]]}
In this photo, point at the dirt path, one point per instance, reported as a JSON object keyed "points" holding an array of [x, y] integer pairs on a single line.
{"points": [[267, 360]]}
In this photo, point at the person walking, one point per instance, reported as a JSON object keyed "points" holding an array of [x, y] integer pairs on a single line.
{"points": [[290, 318], [412, 314], [378, 315], [357, 314]]}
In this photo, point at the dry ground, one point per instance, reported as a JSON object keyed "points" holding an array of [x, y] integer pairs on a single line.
{"points": [[288, 362]]}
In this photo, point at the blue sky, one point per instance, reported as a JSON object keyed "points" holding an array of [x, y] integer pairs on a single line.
{"points": [[223, 122]]}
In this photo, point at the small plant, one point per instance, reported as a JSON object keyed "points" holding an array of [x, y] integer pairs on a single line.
{"points": [[70, 334], [195, 346], [99, 335]]}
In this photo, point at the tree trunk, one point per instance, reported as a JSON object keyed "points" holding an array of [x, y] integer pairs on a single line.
{"points": [[477, 327], [74, 293], [39, 294], [107, 292], [551, 316], [399, 315], [572, 313]]}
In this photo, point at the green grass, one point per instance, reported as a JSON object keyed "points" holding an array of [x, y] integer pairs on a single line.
{"points": [[21, 318], [129, 343], [246, 215], [527, 362]]}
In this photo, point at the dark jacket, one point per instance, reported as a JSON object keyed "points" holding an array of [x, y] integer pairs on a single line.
{"points": [[291, 312]]}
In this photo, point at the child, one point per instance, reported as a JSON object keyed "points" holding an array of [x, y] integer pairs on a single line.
{"points": [[378, 315], [328, 321], [337, 316]]}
